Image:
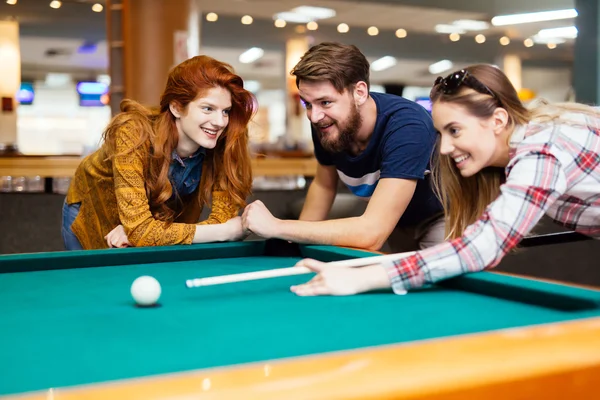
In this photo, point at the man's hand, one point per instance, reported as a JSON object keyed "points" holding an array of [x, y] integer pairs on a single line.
{"points": [[259, 220]]}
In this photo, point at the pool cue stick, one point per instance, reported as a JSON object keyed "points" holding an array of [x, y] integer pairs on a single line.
{"points": [[553, 238], [272, 273]]}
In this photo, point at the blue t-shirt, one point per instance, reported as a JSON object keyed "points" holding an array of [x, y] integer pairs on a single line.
{"points": [[400, 147]]}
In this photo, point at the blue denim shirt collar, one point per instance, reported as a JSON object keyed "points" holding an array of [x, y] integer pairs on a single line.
{"points": [[176, 157], [185, 173]]}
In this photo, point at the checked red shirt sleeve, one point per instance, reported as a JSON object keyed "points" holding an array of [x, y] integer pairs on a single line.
{"points": [[535, 180]]}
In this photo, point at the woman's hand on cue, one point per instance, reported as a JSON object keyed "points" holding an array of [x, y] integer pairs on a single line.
{"points": [[341, 281]]}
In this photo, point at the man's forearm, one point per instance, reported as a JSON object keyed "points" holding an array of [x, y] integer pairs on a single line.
{"points": [[321, 194], [350, 232]]}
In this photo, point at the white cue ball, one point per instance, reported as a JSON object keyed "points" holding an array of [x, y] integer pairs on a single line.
{"points": [[145, 290]]}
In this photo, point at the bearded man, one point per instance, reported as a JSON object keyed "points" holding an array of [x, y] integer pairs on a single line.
{"points": [[379, 145]]}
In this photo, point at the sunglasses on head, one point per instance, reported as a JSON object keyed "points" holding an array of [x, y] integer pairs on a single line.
{"points": [[452, 83]]}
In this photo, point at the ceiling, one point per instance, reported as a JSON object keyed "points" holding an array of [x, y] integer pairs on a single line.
{"points": [[51, 39], [410, 15]]}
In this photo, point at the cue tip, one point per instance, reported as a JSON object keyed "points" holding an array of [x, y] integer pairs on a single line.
{"points": [[193, 283]]}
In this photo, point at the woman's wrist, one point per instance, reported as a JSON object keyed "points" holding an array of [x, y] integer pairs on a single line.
{"points": [[206, 233], [375, 277]]}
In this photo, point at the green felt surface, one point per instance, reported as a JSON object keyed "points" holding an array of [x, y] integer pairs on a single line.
{"points": [[66, 327]]}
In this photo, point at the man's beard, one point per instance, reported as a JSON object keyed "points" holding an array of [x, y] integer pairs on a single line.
{"points": [[346, 133]]}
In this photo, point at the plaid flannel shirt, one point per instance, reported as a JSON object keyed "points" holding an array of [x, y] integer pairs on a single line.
{"points": [[554, 169]]}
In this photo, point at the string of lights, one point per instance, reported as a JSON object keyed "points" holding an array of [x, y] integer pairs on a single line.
{"points": [[56, 4], [306, 18]]}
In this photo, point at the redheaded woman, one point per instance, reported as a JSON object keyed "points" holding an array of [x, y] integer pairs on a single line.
{"points": [[156, 169]]}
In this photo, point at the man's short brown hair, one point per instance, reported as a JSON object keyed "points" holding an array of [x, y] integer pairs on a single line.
{"points": [[340, 64]]}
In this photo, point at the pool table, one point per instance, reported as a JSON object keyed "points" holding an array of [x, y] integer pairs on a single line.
{"points": [[70, 330]]}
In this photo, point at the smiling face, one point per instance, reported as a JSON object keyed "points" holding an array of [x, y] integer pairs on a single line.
{"points": [[203, 121], [473, 143], [334, 115]]}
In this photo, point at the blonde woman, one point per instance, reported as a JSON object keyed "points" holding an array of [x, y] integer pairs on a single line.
{"points": [[501, 167]]}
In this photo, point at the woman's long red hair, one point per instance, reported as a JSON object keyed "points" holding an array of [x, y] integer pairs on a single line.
{"points": [[227, 167]]}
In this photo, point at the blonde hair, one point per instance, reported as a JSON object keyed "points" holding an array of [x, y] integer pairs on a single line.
{"points": [[542, 111], [465, 199]]}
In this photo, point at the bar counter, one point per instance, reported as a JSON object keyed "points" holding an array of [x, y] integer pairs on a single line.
{"points": [[64, 166]]}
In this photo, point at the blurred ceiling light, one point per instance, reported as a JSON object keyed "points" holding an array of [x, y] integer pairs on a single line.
{"points": [[480, 38], [97, 7], [212, 17], [504, 40], [251, 55], [567, 32], [55, 4], [545, 40], [247, 20], [312, 26], [314, 12], [11, 2], [383, 63], [551, 46], [343, 28], [471, 25], [514, 19], [280, 23], [305, 14], [455, 37], [373, 31], [440, 66], [293, 17], [401, 33], [528, 42], [446, 28]]}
